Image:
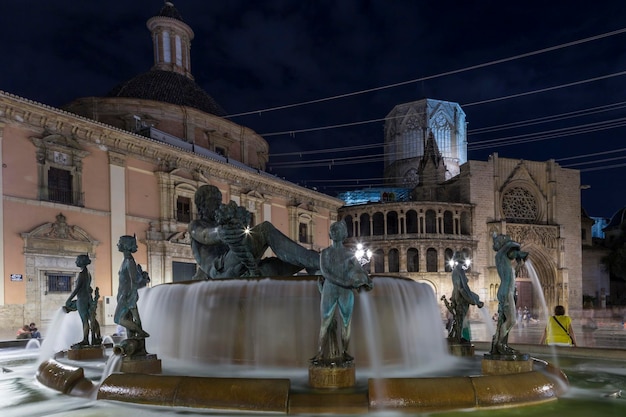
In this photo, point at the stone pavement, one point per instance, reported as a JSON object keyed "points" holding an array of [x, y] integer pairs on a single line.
{"points": [[610, 334]]}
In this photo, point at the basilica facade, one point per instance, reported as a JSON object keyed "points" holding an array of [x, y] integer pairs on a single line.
{"points": [[453, 205], [75, 179]]}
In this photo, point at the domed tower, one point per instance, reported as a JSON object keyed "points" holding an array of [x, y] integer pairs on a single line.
{"points": [[171, 39], [166, 104]]}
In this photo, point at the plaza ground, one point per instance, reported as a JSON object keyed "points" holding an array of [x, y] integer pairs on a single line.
{"points": [[609, 334]]}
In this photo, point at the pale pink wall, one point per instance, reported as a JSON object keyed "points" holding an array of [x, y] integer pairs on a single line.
{"points": [[20, 175], [96, 180], [322, 227], [97, 226], [280, 216], [139, 229], [142, 194]]}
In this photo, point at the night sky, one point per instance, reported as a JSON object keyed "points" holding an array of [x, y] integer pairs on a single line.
{"points": [[553, 71]]}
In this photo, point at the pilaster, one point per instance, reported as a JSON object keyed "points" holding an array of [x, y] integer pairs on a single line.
{"points": [[117, 179]]}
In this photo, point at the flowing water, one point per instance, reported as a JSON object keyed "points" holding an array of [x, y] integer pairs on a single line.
{"points": [[269, 328], [269, 325]]}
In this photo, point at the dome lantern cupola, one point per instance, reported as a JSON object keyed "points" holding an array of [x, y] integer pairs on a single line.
{"points": [[171, 38]]}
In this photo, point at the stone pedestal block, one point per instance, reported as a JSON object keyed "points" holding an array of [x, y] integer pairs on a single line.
{"points": [[332, 377], [461, 349], [504, 367], [145, 364], [86, 353]]}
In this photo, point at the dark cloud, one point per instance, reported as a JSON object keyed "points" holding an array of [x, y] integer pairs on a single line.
{"points": [[255, 55]]}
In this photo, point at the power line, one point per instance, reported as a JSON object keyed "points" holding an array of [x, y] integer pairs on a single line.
{"points": [[430, 77], [492, 100], [492, 143], [548, 119]]}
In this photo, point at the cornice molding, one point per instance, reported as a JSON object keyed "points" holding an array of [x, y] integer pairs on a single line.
{"points": [[15, 110]]}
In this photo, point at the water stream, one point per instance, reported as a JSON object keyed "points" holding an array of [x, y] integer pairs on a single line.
{"points": [[269, 328]]}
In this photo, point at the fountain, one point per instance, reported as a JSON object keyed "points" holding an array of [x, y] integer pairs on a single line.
{"points": [[244, 344]]}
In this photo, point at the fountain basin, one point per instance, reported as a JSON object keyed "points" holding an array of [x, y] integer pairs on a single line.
{"points": [[276, 395]]}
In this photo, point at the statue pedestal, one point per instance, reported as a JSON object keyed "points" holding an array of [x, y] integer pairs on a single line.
{"points": [[506, 364], [460, 349], [85, 353], [141, 364], [340, 376]]}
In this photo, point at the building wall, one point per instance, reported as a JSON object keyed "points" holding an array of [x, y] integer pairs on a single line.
{"points": [[126, 180], [552, 237]]}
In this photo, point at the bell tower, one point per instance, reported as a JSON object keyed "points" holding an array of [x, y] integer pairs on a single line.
{"points": [[171, 39]]}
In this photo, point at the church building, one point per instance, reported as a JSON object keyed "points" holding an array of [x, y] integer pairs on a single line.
{"points": [[439, 203], [75, 179]]}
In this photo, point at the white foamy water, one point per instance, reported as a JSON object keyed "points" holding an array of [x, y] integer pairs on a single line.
{"points": [[271, 324], [64, 330]]}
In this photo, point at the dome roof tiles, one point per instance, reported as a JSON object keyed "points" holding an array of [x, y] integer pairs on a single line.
{"points": [[168, 10], [168, 87]]}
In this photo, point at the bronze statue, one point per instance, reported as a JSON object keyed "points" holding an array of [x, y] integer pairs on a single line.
{"points": [[126, 312], [506, 251], [226, 247], [85, 304], [460, 300], [342, 275]]}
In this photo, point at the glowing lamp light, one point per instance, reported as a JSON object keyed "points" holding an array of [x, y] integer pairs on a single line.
{"points": [[362, 255], [247, 230]]}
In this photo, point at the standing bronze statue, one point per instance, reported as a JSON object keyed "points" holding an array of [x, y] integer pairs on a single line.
{"points": [[507, 251], [225, 246], [342, 275], [126, 312], [460, 300], [85, 304]]}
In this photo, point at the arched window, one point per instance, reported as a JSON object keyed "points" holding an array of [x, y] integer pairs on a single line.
{"points": [[379, 261], [431, 260], [392, 223], [431, 221], [364, 221], [349, 224], [167, 52], [449, 252], [378, 224], [465, 223], [412, 260], [394, 260], [411, 221], [179, 51], [448, 225]]}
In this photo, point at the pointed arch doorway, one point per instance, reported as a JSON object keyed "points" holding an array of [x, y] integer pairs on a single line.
{"points": [[533, 292]]}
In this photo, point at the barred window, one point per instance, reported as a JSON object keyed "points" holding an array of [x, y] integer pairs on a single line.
{"points": [[59, 282], [183, 209]]}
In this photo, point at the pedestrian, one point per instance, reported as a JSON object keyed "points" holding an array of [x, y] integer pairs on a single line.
{"points": [[34, 333], [558, 331], [24, 332]]}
